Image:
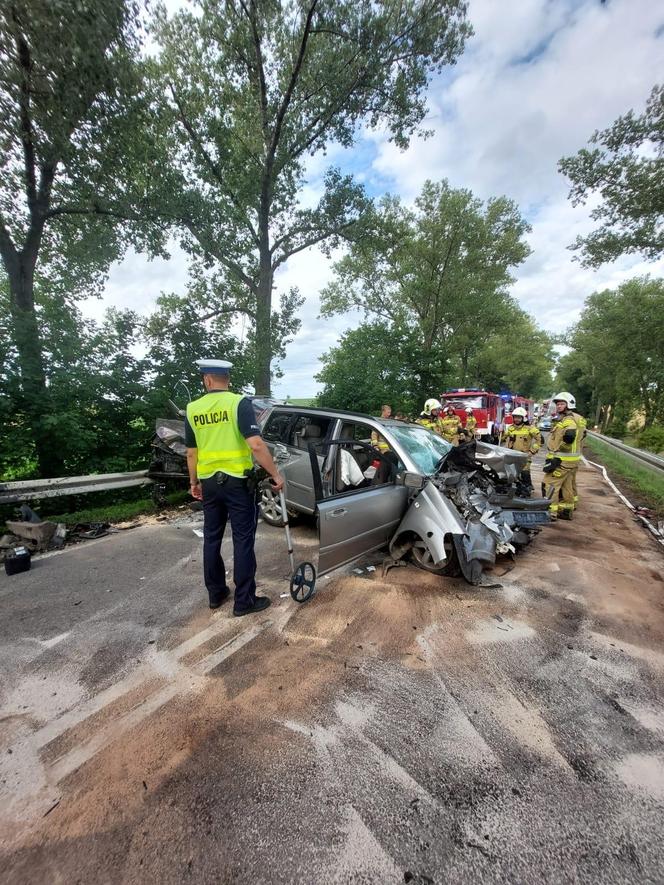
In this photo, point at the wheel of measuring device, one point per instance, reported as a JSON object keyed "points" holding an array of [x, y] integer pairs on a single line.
{"points": [[303, 582]]}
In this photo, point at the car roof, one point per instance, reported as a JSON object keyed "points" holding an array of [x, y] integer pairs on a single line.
{"points": [[317, 410]]}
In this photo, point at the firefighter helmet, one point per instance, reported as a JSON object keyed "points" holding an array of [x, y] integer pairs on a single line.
{"points": [[469, 410], [520, 412], [565, 397], [431, 405]]}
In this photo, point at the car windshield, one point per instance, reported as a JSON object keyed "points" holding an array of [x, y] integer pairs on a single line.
{"points": [[424, 447]]}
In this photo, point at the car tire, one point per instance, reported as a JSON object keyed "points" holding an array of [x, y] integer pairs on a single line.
{"points": [[269, 506], [421, 557]]}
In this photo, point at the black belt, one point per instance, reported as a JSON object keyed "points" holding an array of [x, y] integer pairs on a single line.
{"points": [[220, 478]]}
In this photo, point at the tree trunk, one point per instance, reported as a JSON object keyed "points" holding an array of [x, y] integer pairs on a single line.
{"points": [[35, 394], [263, 377], [464, 367]]}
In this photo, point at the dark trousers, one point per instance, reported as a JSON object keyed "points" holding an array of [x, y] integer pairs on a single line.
{"points": [[222, 501]]}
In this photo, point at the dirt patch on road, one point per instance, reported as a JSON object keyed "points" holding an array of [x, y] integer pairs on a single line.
{"points": [[392, 726]]}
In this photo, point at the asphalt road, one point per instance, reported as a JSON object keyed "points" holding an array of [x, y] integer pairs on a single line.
{"points": [[396, 729]]}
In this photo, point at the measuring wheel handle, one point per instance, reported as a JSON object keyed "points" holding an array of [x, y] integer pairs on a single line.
{"points": [[303, 582]]}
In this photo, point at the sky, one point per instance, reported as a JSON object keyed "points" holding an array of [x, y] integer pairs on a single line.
{"points": [[536, 80]]}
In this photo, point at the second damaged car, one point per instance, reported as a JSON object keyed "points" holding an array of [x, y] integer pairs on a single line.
{"points": [[377, 483]]}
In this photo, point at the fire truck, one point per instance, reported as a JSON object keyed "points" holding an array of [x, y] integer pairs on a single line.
{"points": [[492, 410]]}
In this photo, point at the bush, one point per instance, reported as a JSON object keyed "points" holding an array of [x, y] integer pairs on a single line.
{"points": [[617, 430], [652, 439]]}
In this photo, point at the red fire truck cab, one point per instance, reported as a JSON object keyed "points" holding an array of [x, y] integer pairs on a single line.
{"points": [[491, 410]]}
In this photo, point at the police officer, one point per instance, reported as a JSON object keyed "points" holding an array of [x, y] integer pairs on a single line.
{"points": [[221, 435]]}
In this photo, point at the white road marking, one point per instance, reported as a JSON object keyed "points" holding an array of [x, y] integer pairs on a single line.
{"points": [[186, 680], [158, 663]]}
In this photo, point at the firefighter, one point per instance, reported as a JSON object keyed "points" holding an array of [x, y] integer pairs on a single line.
{"points": [[562, 458], [450, 427], [582, 424], [429, 415], [522, 437], [471, 423], [377, 440]]}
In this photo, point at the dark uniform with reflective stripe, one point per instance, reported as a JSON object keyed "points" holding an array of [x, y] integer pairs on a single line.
{"points": [[218, 425]]}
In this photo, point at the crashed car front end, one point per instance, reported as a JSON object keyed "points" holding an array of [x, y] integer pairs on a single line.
{"points": [[473, 498]]}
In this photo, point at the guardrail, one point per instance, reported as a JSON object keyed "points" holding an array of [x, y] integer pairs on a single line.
{"points": [[30, 489], [644, 458]]}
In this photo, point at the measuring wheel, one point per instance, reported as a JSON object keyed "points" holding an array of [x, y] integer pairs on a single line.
{"points": [[303, 582]]}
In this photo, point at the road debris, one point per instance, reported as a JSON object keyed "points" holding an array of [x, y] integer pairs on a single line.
{"points": [[53, 807]]}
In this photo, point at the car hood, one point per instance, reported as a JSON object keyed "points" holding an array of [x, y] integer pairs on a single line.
{"points": [[506, 462]]}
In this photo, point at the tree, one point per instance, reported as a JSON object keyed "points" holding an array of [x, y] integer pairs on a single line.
{"points": [[249, 90], [65, 71], [618, 349], [520, 359], [371, 365], [440, 272], [627, 172], [96, 385]]}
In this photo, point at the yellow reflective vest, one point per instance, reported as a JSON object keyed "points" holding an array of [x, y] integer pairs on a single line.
{"points": [[471, 424], [428, 421], [582, 424], [221, 446], [557, 448], [379, 442], [522, 438], [450, 427]]}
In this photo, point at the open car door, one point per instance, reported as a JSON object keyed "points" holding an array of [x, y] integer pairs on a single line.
{"points": [[358, 516]]}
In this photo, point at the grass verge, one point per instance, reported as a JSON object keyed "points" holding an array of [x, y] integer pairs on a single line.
{"points": [[640, 484], [117, 508], [121, 511]]}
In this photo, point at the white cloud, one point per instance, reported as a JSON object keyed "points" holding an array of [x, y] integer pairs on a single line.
{"points": [[536, 80], [136, 282]]}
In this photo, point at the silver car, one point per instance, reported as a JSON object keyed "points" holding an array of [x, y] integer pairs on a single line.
{"points": [[377, 483]]}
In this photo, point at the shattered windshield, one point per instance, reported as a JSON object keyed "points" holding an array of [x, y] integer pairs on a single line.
{"points": [[424, 447]]}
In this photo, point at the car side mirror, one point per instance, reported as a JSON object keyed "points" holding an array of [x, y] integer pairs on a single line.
{"points": [[411, 480]]}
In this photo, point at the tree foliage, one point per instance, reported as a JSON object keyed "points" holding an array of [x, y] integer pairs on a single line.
{"points": [[382, 362], [618, 351], [373, 364], [96, 420], [439, 273], [66, 75], [247, 91], [520, 359], [626, 170]]}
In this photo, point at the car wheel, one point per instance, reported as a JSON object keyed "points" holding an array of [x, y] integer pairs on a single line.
{"points": [[421, 556], [269, 505]]}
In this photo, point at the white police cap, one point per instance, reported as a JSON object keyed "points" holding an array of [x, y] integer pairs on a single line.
{"points": [[214, 367]]}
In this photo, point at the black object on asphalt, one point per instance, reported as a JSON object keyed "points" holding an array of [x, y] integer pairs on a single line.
{"points": [[18, 560]]}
